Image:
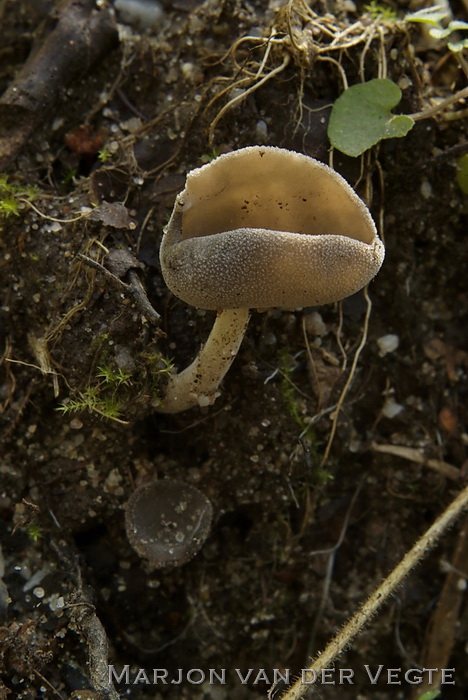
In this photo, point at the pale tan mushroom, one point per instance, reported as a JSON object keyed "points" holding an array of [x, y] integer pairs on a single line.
{"points": [[260, 227], [167, 521]]}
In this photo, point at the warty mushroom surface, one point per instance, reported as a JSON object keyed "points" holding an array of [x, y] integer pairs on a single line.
{"points": [[260, 227]]}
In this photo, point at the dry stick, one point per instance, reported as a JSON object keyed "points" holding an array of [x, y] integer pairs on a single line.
{"points": [[371, 605], [52, 218], [418, 456], [81, 37], [430, 111], [133, 288]]}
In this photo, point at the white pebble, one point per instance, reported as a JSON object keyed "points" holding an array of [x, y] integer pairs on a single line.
{"points": [[143, 13], [391, 408], [387, 343], [426, 189], [314, 324], [262, 131]]}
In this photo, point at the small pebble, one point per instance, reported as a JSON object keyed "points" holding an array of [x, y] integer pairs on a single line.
{"points": [[391, 408], [388, 343]]}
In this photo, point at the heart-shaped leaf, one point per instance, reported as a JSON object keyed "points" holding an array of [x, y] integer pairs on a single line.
{"points": [[361, 117]]}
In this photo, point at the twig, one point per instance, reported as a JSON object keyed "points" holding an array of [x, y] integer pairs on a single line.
{"points": [[417, 456], [134, 288], [83, 34], [49, 684], [52, 218], [88, 625], [430, 111], [380, 595]]}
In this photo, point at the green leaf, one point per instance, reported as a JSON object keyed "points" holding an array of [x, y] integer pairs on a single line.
{"points": [[457, 25], [428, 15], [458, 46], [462, 173], [361, 117], [440, 33]]}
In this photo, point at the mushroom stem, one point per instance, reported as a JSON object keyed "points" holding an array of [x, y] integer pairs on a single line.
{"points": [[197, 385]]}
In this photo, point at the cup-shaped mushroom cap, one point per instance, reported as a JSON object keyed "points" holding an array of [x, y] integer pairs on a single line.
{"points": [[263, 227], [168, 521]]}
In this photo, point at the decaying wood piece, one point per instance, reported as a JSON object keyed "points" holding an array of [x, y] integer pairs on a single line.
{"points": [[443, 625], [82, 36]]}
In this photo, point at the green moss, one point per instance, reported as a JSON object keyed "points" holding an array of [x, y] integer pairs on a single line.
{"points": [[112, 390], [9, 206], [107, 398], [34, 532], [380, 11], [11, 196], [157, 369], [113, 377], [104, 155]]}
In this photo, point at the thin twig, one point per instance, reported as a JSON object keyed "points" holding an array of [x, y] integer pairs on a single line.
{"points": [[430, 111], [380, 595], [414, 455], [52, 218], [48, 684], [134, 288]]}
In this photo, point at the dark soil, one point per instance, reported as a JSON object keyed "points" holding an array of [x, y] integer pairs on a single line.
{"points": [[296, 544]]}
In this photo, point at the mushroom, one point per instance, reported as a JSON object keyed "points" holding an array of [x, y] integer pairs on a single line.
{"points": [[257, 228], [167, 521]]}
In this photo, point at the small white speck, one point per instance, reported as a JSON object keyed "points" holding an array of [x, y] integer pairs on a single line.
{"points": [[426, 189], [388, 343], [391, 408]]}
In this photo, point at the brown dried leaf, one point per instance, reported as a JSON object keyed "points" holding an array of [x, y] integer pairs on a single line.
{"points": [[113, 214]]}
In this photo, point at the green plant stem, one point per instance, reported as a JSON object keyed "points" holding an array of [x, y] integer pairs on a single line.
{"points": [[380, 595], [105, 415]]}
